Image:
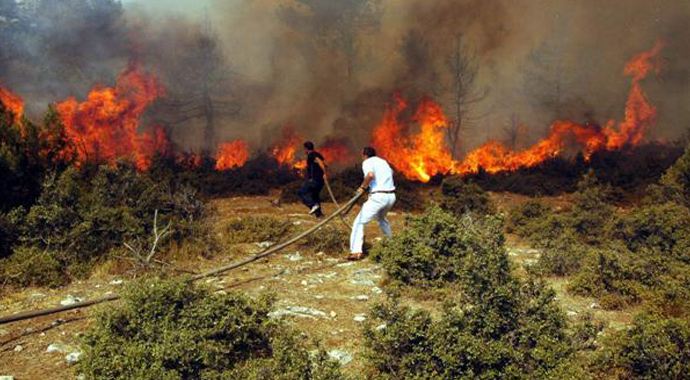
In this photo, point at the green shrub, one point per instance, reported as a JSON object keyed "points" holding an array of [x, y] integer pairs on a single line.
{"points": [[516, 332], [586, 329], [664, 227], [32, 266], [436, 247], [562, 256], [677, 179], [524, 220], [257, 229], [610, 274], [170, 330], [653, 348], [460, 197], [592, 212]]}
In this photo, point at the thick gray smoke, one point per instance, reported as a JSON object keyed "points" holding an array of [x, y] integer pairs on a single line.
{"points": [[329, 67]]}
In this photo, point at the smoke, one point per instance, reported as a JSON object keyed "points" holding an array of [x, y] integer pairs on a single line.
{"points": [[329, 67]]}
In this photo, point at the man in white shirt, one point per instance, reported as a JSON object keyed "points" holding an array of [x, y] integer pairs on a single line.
{"points": [[378, 178]]}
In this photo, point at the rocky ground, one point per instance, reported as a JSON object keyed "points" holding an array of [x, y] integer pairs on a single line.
{"points": [[323, 295]]}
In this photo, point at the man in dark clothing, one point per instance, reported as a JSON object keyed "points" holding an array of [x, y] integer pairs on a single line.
{"points": [[314, 174]]}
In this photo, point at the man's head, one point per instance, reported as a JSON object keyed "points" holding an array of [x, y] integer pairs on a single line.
{"points": [[308, 146], [368, 152]]}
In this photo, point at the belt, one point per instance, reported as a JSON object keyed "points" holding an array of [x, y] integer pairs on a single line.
{"points": [[383, 192]]}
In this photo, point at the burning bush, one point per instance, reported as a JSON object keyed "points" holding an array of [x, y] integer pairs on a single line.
{"points": [[436, 248], [460, 197], [255, 229], [170, 330]]}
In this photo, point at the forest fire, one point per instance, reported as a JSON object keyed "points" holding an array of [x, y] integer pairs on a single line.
{"points": [[334, 151], [418, 156], [103, 128], [425, 154], [232, 154], [285, 150], [12, 103]]}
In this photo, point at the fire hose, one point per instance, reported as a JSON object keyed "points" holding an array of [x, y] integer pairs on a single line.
{"points": [[342, 216], [267, 252]]}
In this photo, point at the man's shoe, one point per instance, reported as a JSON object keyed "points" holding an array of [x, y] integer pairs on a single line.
{"points": [[355, 256], [314, 209]]}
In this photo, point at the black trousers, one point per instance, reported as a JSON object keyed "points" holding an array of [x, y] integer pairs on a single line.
{"points": [[309, 193]]}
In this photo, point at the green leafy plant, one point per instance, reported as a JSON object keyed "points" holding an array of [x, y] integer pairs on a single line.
{"points": [[167, 329]]}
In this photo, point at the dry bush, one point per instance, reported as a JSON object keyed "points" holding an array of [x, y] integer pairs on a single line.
{"points": [[329, 239], [254, 229]]}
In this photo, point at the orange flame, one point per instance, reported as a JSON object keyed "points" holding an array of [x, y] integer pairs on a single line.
{"points": [[336, 151], [103, 128], [418, 156], [286, 149], [425, 154], [13, 104], [232, 154]]}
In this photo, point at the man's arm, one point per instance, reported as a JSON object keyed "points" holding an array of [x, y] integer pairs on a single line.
{"points": [[365, 183], [321, 164]]}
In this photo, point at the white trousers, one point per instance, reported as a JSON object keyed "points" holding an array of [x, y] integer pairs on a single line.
{"points": [[376, 207]]}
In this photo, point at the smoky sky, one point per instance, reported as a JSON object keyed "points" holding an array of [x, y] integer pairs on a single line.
{"points": [[328, 68]]}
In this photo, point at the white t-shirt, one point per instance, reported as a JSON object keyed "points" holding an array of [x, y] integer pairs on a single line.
{"points": [[383, 174]]}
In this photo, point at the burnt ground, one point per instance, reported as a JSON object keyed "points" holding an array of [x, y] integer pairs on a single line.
{"points": [[320, 293]]}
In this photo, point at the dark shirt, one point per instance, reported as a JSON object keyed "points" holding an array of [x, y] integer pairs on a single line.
{"points": [[313, 170]]}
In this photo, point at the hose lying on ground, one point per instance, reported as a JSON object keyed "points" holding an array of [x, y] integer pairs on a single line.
{"points": [[269, 251]]}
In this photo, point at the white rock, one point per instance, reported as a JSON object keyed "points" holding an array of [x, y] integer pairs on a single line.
{"points": [[341, 356], [318, 297], [6, 377], [333, 314], [18, 348], [57, 347], [362, 282], [304, 282], [360, 318], [362, 297], [296, 223], [73, 357], [594, 305], [298, 311], [381, 327], [264, 244], [294, 257], [376, 290], [70, 300]]}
